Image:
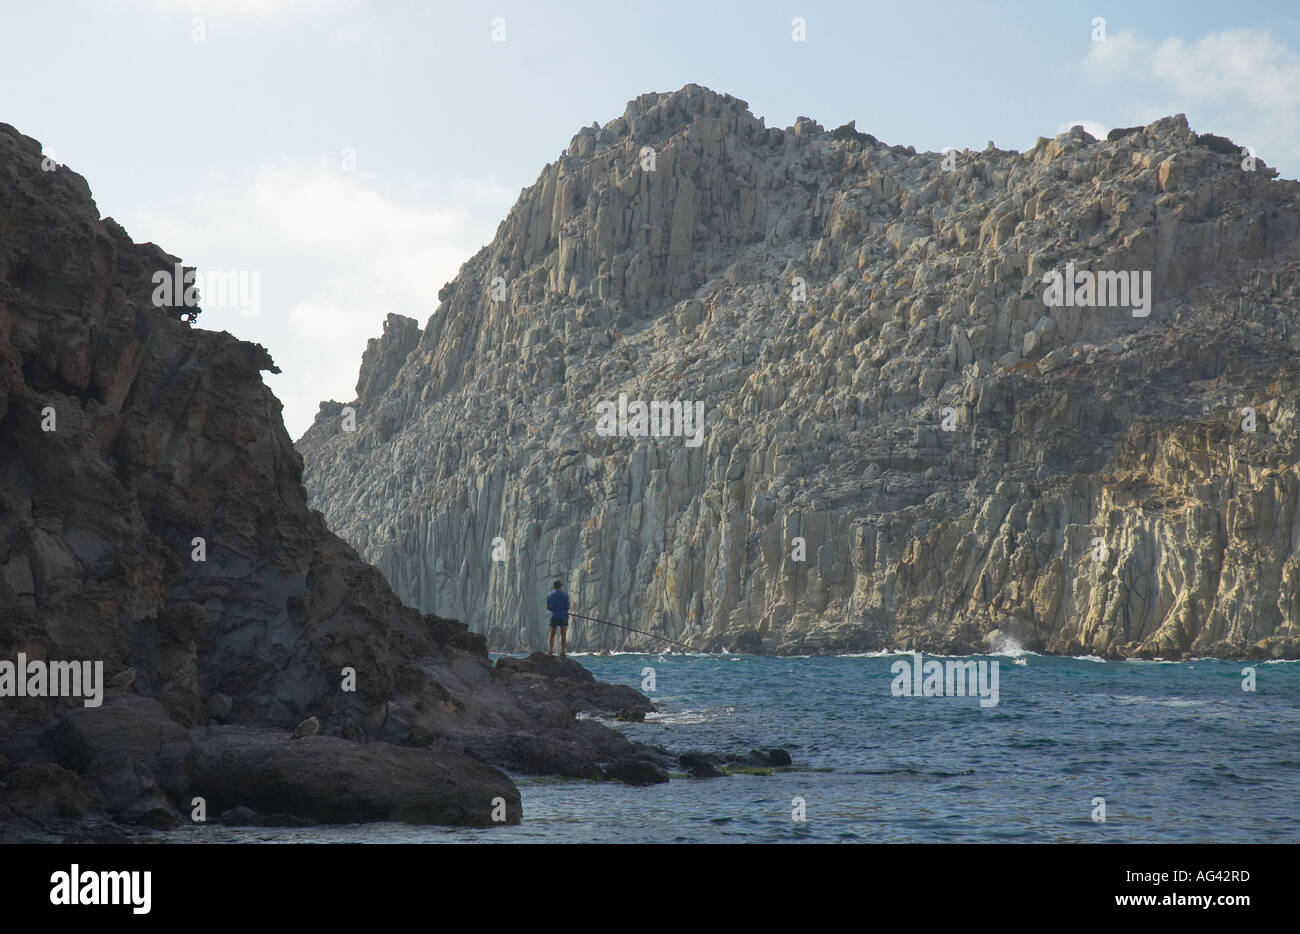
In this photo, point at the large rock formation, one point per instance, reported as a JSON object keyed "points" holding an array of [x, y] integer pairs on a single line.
{"points": [[152, 518], [905, 446]]}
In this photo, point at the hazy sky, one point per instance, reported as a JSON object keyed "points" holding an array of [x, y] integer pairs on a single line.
{"points": [[223, 138]]}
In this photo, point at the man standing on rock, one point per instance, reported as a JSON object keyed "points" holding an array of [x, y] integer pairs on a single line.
{"points": [[557, 601]]}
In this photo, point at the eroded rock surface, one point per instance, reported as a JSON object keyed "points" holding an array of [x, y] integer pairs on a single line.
{"points": [[126, 437], [866, 327]]}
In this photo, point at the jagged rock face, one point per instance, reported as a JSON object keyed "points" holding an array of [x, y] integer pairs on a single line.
{"points": [[125, 435], [162, 433], [905, 446]]}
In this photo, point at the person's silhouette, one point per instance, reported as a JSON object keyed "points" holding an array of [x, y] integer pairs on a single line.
{"points": [[557, 601]]}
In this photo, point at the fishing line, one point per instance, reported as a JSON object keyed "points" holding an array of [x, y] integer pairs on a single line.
{"points": [[630, 629]]}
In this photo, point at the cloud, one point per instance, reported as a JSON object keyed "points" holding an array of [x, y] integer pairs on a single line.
{"points": [[1240, 65], [1242, 82], [333, 23], [264, 10], [1117, 49], [336, 252]]}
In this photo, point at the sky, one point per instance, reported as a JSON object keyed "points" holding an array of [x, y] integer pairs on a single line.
{"points": [[354, 153]]}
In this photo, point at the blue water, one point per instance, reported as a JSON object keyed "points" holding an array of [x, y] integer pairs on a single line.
{"points": [[1178, 750]]}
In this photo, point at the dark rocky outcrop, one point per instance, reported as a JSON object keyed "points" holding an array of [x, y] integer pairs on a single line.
{"points": [[126, 436], [746, 642], [326, 779], [765, 758], [132, 751], [577, 685], [636, 772], [699, 765], [1220, 144]]}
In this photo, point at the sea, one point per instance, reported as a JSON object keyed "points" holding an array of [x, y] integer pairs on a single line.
{"points": [[1076, 750]]}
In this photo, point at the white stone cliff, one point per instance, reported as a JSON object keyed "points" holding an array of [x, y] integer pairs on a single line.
{"points": [[881, 378]]}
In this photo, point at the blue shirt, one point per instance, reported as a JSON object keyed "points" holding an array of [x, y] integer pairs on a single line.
{"points": [[557, 601]]}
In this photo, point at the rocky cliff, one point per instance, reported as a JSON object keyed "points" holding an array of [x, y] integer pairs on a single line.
{"points": [[153, 520], [912, 437]]}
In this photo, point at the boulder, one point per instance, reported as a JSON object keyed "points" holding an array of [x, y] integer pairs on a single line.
{"points": [[761, 758], [698, 765], [131, 750], [636, 772], [331, 780], [566, 678]]}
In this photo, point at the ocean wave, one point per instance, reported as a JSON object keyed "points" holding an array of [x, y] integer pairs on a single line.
{"points": [[910, 771], [609, 654], [661, 656], [1143, 699], [687, 717], [929, 655], [1008, 653]]}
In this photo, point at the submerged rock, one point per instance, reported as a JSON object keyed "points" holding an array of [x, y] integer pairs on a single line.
{"points": [[709, 765], [769, 758]]}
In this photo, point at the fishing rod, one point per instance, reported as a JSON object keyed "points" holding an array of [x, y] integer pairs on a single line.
{"points": [[630, 629]]}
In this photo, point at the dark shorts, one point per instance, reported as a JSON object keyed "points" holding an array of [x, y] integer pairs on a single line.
{"points": [[562, 623]]}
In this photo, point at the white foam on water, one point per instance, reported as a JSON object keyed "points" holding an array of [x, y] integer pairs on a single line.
{"points": [[687, 717], [610, 654], [929, 655], [1004, 644]]}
